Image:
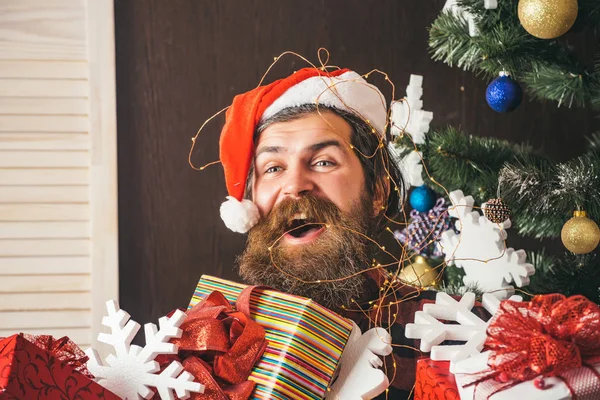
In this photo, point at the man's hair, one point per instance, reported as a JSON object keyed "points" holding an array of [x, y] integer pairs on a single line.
{"points": [[376, 168]]}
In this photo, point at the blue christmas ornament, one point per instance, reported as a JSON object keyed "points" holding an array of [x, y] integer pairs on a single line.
{"points": [[422, 199], [504, 94]]}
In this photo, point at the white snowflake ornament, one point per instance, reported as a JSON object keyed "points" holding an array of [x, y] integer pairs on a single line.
{"points": [[131, 372], [410, 166], [453, 7], [490, 4], [408, 115], [471, 329], [479, 249], [360, 376]]}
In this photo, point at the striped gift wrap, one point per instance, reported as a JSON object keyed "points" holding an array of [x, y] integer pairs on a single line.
{"points": [[305, 340]]}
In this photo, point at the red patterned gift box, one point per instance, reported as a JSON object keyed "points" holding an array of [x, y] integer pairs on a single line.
{"points": [[434, 381], [29, 372]]}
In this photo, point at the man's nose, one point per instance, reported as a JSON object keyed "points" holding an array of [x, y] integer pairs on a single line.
{"points": [[298, 183]]}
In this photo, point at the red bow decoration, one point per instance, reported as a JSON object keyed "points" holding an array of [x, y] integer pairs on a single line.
{"points": [[549, 336], [219, 346]]}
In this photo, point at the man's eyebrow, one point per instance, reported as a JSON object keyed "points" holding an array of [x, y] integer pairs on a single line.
{"points": [[312, 148], [321, 145], [269, 149]]}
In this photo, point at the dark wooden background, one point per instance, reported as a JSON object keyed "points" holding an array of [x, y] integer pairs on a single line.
{"points": [[180, 61]]}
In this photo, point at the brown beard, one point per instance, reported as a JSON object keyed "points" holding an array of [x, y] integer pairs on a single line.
{"points": [[337, 253]]}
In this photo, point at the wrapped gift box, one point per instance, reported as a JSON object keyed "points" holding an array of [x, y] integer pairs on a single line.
{"points": [[554, 388], [305, 340], [28, 372], [434, 381]]}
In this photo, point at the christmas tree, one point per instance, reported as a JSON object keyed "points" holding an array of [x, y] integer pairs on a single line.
{"points": [[520, 38], [515, 185]]}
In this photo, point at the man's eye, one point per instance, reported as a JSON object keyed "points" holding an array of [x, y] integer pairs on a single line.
{"points": [[324, 163], [271, 170]]}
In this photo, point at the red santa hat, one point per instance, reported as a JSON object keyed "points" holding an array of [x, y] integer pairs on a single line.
{"points": [[342, 89]]}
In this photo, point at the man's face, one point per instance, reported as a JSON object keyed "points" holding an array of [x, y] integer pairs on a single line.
{"points": [[309, 186], [311, 155]]}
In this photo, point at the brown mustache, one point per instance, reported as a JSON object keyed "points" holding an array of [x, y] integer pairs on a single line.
{"points": [[318, 210]]}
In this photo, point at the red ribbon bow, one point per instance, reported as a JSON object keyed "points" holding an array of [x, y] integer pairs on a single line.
{"points": [[219, 346], [549, 336]]}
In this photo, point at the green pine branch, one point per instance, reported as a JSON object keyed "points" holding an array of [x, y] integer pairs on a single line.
{"points": [[554, 82], [468, 163], [589, 15], [570, 275], [548, 69], [449, 41], [541, 193]]}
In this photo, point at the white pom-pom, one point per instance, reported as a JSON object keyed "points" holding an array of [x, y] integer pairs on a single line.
{"points": [[239, 216]]}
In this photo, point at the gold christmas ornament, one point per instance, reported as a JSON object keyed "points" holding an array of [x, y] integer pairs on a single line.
{"points": [[580, 235], [496, 210], [547, 19], [419, 273]]}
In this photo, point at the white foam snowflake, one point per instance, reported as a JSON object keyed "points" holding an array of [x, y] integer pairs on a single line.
{"points": [[453, 7], [360, 376], [410, 166], [471, 329], [131, 372], [479, 249], [408, 114]]}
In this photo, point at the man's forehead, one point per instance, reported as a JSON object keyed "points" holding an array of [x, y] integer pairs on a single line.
{"points": [[305, 132]]}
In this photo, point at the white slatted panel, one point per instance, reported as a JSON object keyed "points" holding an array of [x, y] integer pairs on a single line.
{"points": [[44, 141], [52, 301], [43, 106], [45, 163], [45, 229], [58, 265], [50, 194], [43, 30], [81, 336]]}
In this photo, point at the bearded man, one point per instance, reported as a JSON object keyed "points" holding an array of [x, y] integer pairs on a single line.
{"points": [[311, 181]]}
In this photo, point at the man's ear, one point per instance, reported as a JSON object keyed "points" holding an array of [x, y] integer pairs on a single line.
{"points": [[380, 197]]}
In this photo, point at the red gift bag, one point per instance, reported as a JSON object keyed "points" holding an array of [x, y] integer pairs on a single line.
{"points": [[29, 372]]}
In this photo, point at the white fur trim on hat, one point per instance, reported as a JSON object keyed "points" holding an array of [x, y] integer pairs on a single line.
{"points": [[239, 216], [349, 92]]}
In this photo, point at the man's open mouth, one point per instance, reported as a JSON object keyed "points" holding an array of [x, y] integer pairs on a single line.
{"points": [[303, 229]]}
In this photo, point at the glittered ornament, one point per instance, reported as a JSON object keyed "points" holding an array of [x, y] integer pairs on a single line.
{"points": [[496, 210], [547, 19], [504, 94], [580, 235], [424, 229], [419, 273], [422, 198]]}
